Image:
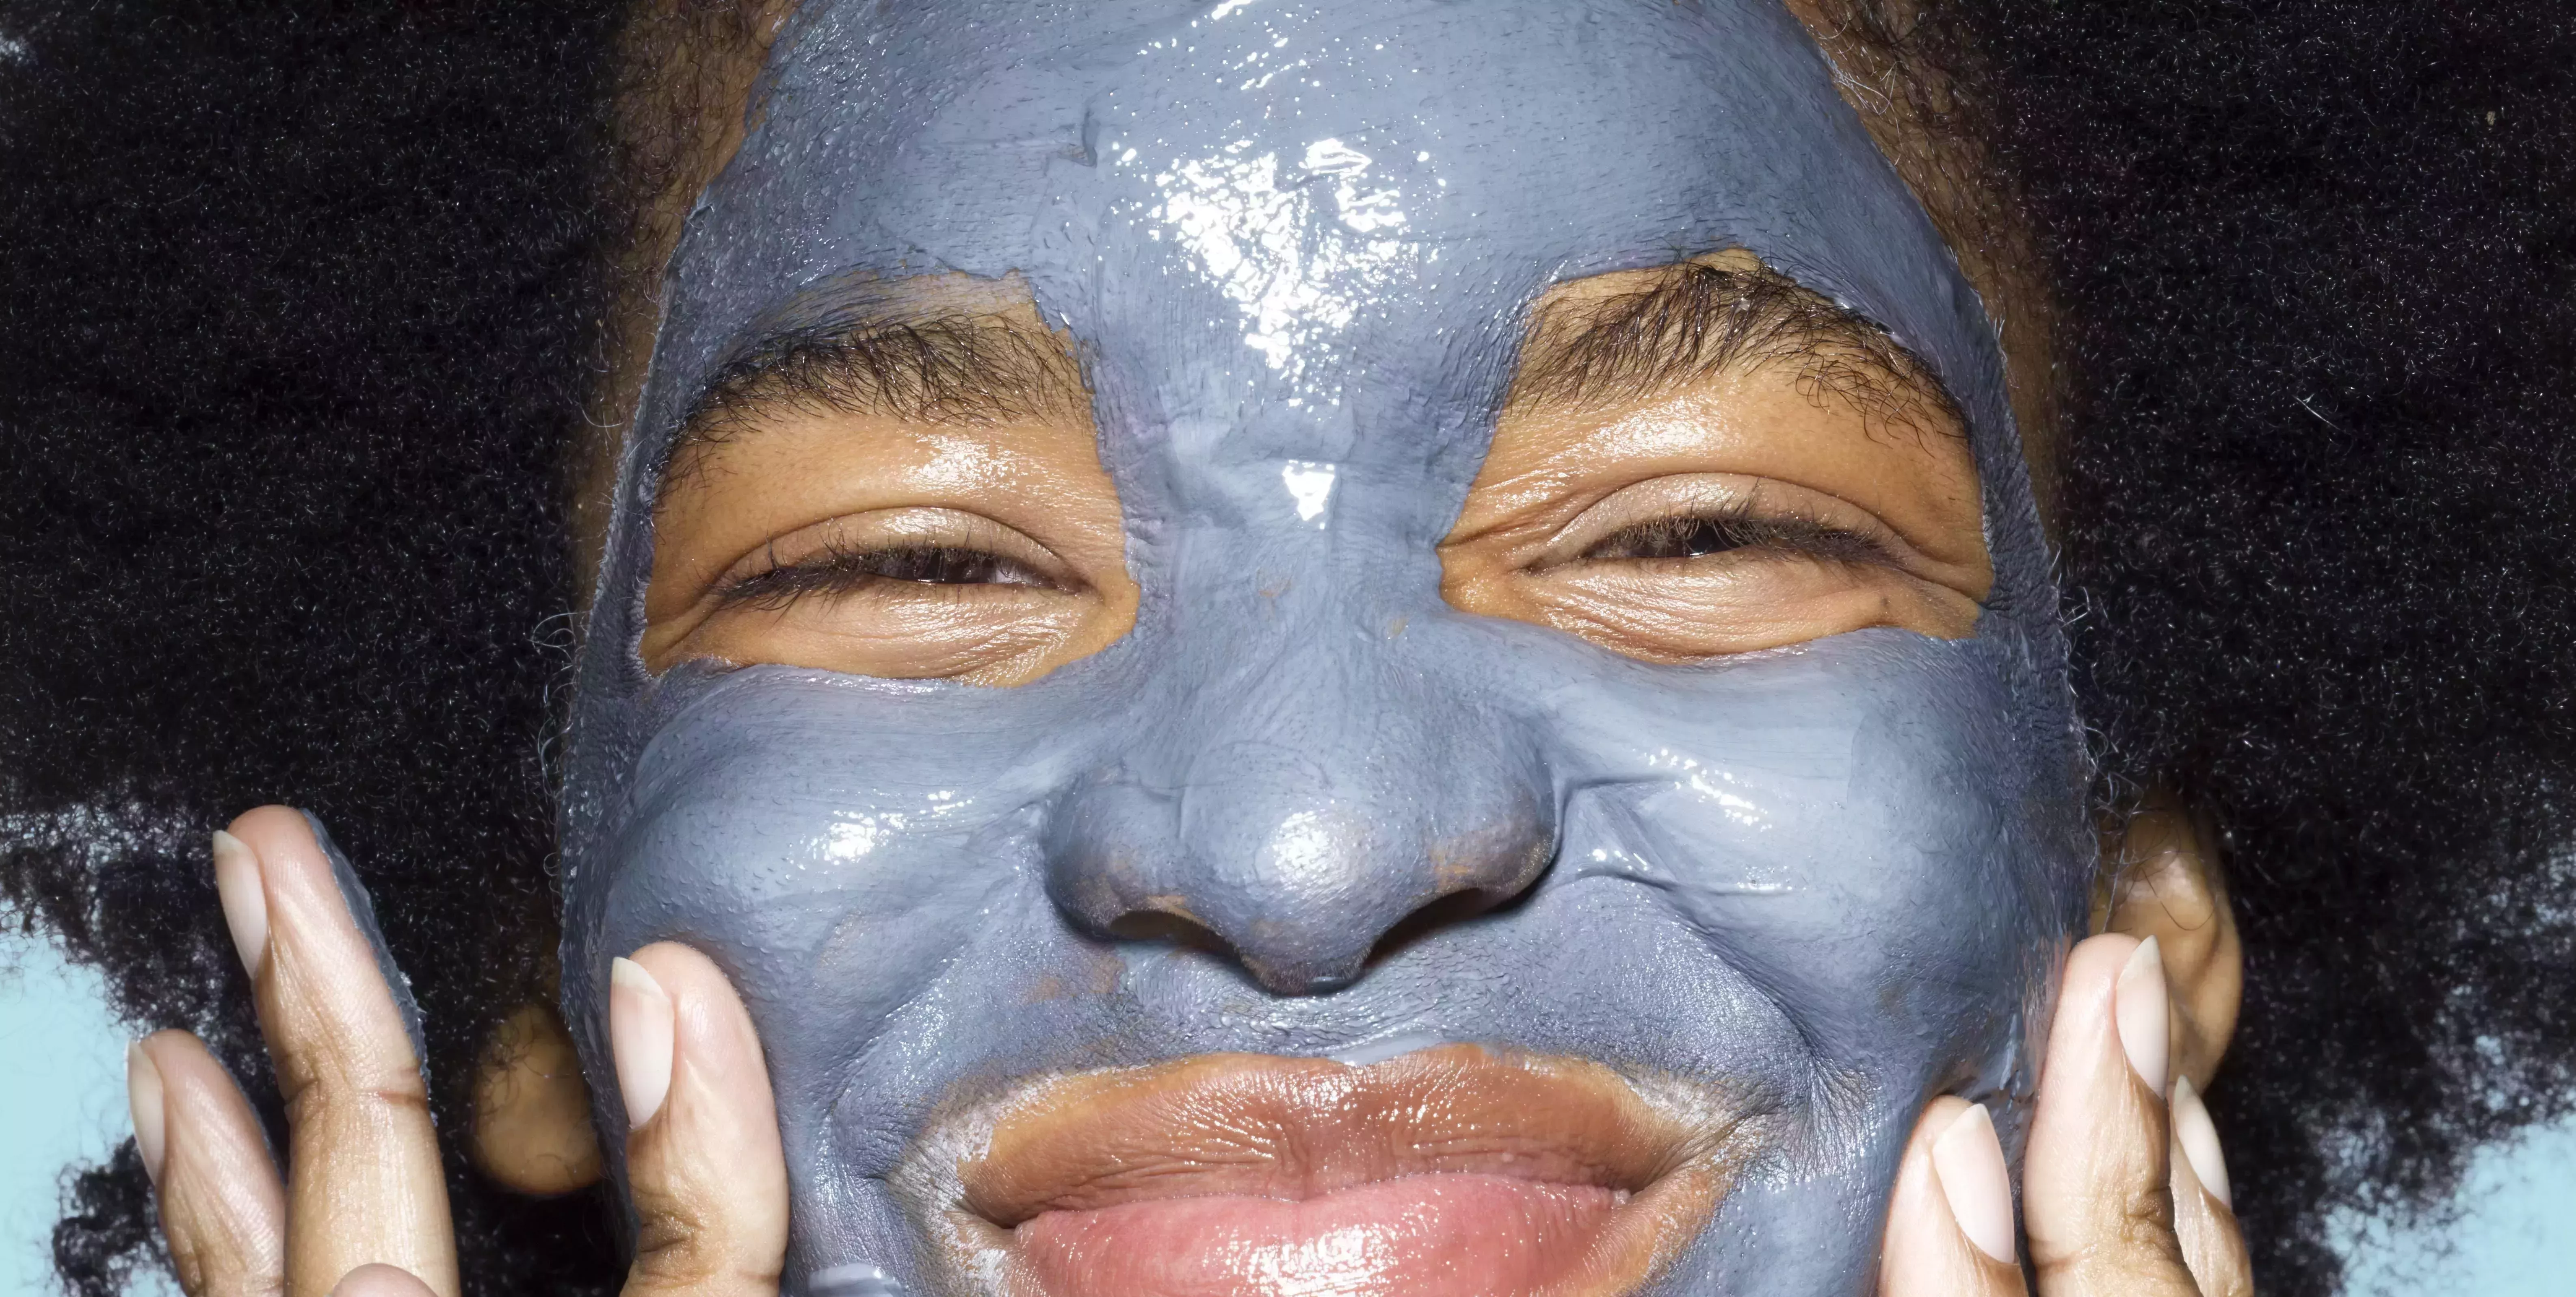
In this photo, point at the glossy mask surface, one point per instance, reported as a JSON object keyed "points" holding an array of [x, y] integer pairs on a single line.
{"points": [[1295, 245]]}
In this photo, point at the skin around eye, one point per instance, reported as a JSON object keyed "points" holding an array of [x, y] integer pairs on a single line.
{"points": [[876, 545], [893, 554], [1743, 511]]}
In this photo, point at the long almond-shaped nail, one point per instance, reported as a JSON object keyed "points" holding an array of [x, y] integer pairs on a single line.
{"points": [[2143, 1014], [245, 904], [2198, 1136], [640, 1029], [143, 1100], [1970, 1161]]}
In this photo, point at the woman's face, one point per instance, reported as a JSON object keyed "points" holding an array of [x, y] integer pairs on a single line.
{"points": [[1344, 648]]}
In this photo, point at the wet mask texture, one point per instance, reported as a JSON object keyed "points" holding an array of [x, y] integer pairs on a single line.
{"points": [[1296, 246]]}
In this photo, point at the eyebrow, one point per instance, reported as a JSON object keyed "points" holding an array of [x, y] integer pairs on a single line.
{"points": [[953, 369], [1695, 321], [1691, 323]]}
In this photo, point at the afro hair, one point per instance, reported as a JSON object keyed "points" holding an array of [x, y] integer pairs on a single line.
{"points": [[303, 305]]}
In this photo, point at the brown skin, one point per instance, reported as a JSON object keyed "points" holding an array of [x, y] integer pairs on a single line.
{"points": [[531, 1109], [790, 484], [363, 1201], [2161, 878], [1563, 476], [2111, 1205]]}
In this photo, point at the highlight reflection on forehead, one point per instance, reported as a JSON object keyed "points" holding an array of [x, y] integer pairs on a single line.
{"points": [[1299, 262]]}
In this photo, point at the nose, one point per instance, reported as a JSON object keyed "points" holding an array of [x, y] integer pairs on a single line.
{"points": [[1301, 807]]}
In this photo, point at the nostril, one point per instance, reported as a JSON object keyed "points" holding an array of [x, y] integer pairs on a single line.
{"points": [[1169, 929], [1442, 913], [1278, 976], [1181, 932]]}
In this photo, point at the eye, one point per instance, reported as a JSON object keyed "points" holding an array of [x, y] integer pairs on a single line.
{"points": [[912, 496], [1675, 497], [842, 567], [912, 592], [1684, 567], [1728, 528]]}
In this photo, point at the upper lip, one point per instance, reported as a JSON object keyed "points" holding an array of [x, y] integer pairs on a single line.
{"points": [[1299, 1127]]}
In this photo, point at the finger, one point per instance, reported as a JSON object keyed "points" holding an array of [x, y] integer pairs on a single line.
{"points": [[703, 1159], [223, 1208], [363, 1180], [373, 1280], [2204, 1222], [1950, 1222], [2095, 1197]]}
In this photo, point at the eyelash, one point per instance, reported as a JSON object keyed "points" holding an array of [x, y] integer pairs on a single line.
{"points": [[1735, 526], [843, 568]]}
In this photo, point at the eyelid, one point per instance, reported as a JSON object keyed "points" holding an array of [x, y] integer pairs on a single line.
{"points": [[903, 528], [1684, 494]]}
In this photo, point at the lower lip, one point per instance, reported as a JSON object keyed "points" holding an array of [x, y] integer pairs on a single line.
{"points": [[1431, 1235]]}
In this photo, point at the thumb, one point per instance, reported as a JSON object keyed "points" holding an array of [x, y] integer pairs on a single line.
{"points": [[703, 1159]]}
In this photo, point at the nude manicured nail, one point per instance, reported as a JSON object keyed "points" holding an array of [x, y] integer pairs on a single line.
{"points": [[379, 1280], [143, 1100], [640, 1029], [1970, 1161], [237, 885], [2198, 1136], [2144, 1017]]}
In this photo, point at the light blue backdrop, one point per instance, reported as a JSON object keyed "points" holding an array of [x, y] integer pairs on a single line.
{"points": [[62, 1097]]}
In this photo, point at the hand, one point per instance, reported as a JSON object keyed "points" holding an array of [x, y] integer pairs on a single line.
{"points": [[2123, 1191], [362, 1209]]}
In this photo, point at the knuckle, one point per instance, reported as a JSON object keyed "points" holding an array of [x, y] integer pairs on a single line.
{"points": [[681, 1248], [674, 1241], [2146, 1227], [189, 1264], [210, 1255], [330, 1100]]}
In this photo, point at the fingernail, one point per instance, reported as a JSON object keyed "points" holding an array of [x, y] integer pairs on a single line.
{"points": [[245, 905], [2198, 1136], [143, 1100], [640, 1028], [2142, 1014], [1970, 1161], [376, 1279]]}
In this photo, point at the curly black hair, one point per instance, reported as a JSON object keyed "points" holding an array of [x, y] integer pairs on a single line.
{"points": [[2319, 266], [300, 305], [300, 310]]}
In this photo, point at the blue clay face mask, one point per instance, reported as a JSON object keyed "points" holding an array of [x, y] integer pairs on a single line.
{"points": [[1308, 838]]}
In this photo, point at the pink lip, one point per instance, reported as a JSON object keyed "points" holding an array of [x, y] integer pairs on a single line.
{"points": [[1441, 1234], [1450, 1172]]}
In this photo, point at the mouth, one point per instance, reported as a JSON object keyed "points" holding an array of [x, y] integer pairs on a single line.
{"points": [[1456, 1171]]}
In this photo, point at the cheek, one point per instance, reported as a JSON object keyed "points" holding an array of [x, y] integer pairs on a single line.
{"points": [[1853, 825], [807, 831]]}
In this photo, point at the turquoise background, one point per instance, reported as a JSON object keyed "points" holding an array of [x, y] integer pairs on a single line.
{"points": [[62, 1097]]}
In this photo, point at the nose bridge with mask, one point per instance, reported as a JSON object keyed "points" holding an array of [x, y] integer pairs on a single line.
{"points": [[1298, 780]]}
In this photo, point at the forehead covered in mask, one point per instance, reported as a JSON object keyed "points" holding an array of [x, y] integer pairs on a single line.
{"points": [[1294, 248], [1279, 198]]}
